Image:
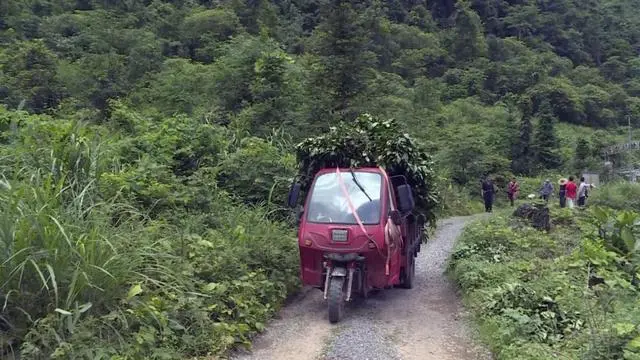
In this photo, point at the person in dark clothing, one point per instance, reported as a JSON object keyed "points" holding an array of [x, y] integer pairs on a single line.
{"points": [[369, 212], [488, 192], [562, 194]]}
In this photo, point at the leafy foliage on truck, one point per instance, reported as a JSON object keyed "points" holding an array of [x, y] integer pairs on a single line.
{"points": [[371, 142]]}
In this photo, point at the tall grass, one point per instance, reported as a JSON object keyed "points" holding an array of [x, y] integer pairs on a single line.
{"points": [[457, 201], [620, 196], [57, 254], [85, 273]]}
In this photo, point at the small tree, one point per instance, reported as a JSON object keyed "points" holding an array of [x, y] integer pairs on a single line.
{"points": [[582, 155], [28, 74], [545, 142], [341, 41], [521, 150], [469, 41]]}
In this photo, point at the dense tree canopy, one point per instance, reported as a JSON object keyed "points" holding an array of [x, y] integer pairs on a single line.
{"points": [[301, 64]]}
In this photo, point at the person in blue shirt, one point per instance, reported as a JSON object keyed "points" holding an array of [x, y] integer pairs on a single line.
{"points": [[546, 190]]}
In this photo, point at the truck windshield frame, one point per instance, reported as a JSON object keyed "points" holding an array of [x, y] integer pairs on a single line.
{"points": [[328, 205]]}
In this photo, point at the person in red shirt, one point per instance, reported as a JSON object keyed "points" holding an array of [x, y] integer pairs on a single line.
{"points": [[572, 192], [513, 189]]}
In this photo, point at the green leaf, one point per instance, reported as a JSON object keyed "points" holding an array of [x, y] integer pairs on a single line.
{"points": [[135, 290], [624, 328], [84, 307], [210, 286], [635, 343], [600, 214], [63, 312], [628, 238]]}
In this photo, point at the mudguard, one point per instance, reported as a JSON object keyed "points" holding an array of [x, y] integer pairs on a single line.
{"points": [[338, 271]]}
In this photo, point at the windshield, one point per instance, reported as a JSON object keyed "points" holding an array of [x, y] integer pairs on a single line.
{"points": [[328, 203]]}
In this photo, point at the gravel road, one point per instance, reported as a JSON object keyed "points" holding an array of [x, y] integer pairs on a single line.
{"points": [[425, 323]]}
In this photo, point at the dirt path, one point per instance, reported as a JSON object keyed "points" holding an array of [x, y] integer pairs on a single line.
{"points": [[423, 323]]}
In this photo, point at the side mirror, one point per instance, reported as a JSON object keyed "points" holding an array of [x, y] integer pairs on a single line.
{"points": [[294, 193], [406, 202], [395, 216]]}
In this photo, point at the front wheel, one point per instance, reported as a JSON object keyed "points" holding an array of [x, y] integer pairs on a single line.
{"points": [[409, 272], [335, 299]]}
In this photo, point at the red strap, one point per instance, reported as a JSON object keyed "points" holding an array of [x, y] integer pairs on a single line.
{"points": [[343, 187], [351, 207], [388, 236]]}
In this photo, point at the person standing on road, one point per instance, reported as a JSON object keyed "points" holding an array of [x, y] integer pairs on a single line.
{"points": [[488, 191], [562, 194], [546, 190], [572, 192], [513, 189]]}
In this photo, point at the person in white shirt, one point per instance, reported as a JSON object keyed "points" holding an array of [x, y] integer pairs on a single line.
{"points": [[583, 192]]}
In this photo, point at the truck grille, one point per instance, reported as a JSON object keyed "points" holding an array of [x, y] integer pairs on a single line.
{"points": [[339, 235]]}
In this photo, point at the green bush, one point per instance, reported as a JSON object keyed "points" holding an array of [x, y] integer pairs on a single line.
{"points": [[112, 249], [491, 241], [456, 201], [562, 216], [258, 172], [568, 294], [620, 196]]}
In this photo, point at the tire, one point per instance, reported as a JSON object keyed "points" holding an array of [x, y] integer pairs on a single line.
{"points": [[335, 299], [409, 272], [365, 287], [363, 294]]}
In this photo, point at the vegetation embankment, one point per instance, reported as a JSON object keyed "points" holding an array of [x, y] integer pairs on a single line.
{"points": [[619, 196], [571, 293], [112, 248]]}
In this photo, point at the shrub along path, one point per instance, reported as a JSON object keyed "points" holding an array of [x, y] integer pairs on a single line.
{"points": [[424, 323]]}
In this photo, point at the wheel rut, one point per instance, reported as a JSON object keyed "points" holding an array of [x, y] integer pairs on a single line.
{"points": [[425, 323]]}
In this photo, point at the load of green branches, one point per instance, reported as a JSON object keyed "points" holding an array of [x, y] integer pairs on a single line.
{"points": [[371, 142]]}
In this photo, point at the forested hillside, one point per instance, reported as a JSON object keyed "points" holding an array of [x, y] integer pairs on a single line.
{"points": [[505, 71], [131, 222]]}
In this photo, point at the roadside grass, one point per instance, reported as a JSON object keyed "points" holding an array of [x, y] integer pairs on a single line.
{"points": [[105, 254], [537, 295], [619, 195]]}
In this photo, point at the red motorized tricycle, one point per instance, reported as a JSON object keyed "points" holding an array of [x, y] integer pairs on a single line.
{"points": [[357, 232]]}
